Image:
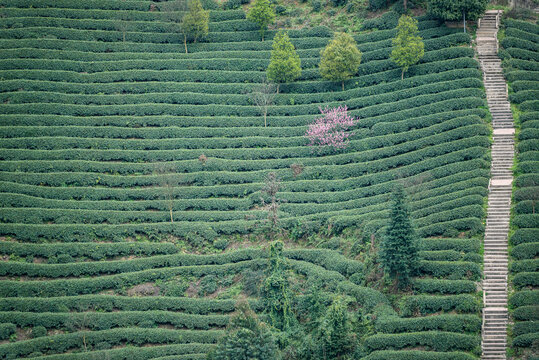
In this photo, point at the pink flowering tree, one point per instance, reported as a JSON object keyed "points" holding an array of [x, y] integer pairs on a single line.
{"points": [[332, 128]]}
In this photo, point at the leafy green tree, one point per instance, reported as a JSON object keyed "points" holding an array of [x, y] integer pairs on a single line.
{"points": [[457, 9], [408, 47], [285, 65], [276, 291], [246, 338], [398, 248], [340, 59], [195, 23], [335, 331], [263, 14], [333, 339]]}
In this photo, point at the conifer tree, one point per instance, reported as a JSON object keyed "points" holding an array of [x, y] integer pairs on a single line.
{"points": [[408, 47], [263, 14], [195, 22], [340, 59], [285, 65], [398, 248], [246, 338]]}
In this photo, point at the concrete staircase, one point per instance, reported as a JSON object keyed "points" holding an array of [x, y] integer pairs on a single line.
{"points": [[495, 316]]}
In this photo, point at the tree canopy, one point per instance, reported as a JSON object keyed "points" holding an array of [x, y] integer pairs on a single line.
{"points": [[246, 338], [340, 59], [195, 22], [408, 47], [398, 248], [263, 14], [456, 9], [285, 65]]}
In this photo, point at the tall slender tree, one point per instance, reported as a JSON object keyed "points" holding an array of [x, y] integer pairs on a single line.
{"points": [[408, 47], [398, 248], [285, 65], [263, 14], [262, 97], [340, 59], [276, 289], [195, 24]]}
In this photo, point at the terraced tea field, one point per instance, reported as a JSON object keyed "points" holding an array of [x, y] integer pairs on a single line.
{"points": [[120, 152], [521, 52]]}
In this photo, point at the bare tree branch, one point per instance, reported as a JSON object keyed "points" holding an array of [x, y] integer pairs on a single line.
{"points": [[262, 97]]}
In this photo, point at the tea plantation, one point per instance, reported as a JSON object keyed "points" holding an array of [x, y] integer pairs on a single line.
{"points": [[521, 55], [132, 173]]}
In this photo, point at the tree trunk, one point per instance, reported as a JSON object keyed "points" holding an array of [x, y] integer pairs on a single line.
{"points": [[123, 35], [464, 20], [278, 85], [265, 114], [405, 4], [171, 218], [402, 74], [185, 42], [342, 83]]}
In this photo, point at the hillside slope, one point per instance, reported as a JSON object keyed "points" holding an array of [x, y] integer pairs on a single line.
{"points": [[94, 129], [521, 67]]}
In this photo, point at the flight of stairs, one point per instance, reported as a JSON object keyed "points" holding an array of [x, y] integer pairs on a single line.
{"points": [[495, 315]]}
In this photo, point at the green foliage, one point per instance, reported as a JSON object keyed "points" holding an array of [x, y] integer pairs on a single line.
{"points": [[434, 340], [276, 292], [340, 59], [246, 338], [418, 355], [6, 330], [375, 5], [429, 304], [408, 47], [263, 14], [62, 343], [444, 322], [453, 10], [398, 248], [285, 64], [334, 336], [39, 331], [194, 23], [524, 298]]}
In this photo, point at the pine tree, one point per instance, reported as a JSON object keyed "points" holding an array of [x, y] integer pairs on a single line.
{"points": [[340, 59], [457, 9], [246, 338], [195, 23], [408, 47], [263, 14], [285, 65], [398, 248]]}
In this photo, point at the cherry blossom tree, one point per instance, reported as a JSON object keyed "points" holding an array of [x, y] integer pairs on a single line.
{"points": [[332, 128]]}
